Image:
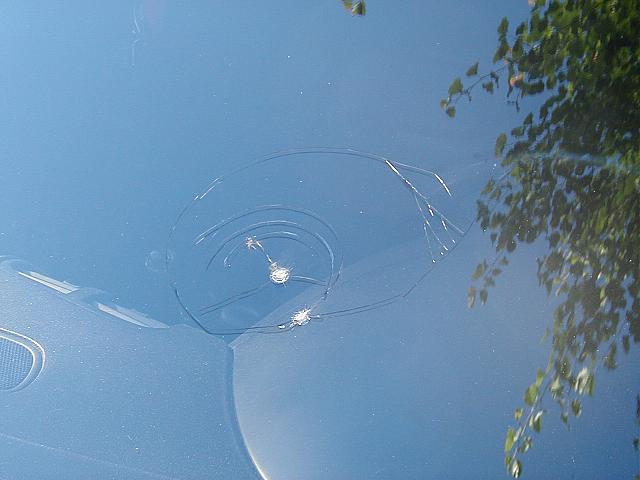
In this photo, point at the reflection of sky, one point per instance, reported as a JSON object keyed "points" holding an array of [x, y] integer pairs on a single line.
{"points": [[99, 157], [422, 389], [120, 149]]}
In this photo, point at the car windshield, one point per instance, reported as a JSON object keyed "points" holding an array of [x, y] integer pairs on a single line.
{"points": [[410, 230]]}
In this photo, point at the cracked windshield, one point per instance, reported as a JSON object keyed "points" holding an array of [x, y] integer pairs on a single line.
{"points": [[334, 240]]}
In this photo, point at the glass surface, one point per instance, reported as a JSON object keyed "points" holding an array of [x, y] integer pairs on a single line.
{"points": [[425, 267], [235, 257]]}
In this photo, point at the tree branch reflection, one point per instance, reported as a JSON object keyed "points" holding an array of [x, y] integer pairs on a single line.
{"points": [[573, 183]]}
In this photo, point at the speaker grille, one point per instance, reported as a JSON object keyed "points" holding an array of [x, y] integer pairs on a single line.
{"points": [[16, 362], [21, 360]]}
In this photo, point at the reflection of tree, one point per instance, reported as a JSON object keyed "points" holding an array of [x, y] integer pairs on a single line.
{"points": [[584, 58], [587, 213], [356, 8]]}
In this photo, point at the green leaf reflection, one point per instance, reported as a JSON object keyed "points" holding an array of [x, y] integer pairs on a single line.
{"points": [[356, 8], [573, 183]]}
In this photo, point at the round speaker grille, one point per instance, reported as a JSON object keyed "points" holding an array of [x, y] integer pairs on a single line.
{"points": [[21, 360]]}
